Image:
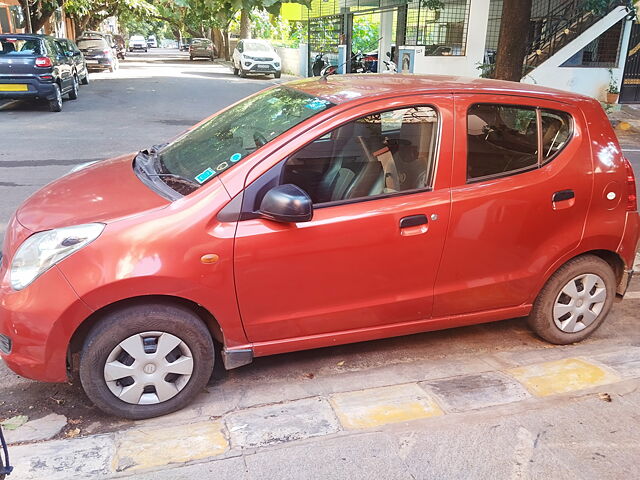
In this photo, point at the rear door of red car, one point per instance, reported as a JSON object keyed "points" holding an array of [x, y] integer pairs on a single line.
{"points": [[511, 220], [359, 263]]}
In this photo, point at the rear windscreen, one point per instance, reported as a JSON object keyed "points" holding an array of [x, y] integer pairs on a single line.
{"points": [[20, 47], [92, 43]]}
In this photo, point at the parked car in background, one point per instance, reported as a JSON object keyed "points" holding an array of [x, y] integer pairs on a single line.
{"points": [[319, 213], [256, 56], [152, 42], [201, 48], [98, 54], [35, 67], [137, 42], [72, 51]]}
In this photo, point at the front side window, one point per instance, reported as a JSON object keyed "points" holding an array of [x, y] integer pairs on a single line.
{"points": [[380, 154], [230, 136], [507, 139]]}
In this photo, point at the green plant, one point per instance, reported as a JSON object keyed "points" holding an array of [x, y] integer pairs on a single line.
{"points": [[613, 84], [486, 69], [365, 35], [433, 4]]}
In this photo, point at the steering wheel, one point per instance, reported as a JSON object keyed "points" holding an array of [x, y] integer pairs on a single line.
{"points": [[259, 139]]}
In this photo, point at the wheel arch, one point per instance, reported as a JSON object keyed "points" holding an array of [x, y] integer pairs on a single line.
{"points": [[80, 334]]}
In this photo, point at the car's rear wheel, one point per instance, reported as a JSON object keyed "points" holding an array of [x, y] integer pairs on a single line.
{"points": [[147, 360], [575, 301], [235, 70], [55, 105], [73, 93]]}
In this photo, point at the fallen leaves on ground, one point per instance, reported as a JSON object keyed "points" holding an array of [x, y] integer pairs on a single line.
{"points": [[14, 422]]}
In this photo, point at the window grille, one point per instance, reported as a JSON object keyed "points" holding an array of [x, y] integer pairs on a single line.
{"points": [[443, 32]]}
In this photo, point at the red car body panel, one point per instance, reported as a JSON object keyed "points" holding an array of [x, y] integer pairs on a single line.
{"points": [[350, 274]]}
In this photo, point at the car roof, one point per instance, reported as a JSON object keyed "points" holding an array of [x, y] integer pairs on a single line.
{"points": [[344, 88], [24, 35]]}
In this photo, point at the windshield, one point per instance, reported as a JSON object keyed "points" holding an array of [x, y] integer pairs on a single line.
{"points": [[227, 138], [257, 47]]}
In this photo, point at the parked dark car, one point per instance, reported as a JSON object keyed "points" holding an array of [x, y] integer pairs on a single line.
{"points": [[201, 48], [36, 67], [72, 51], [98, 53]]}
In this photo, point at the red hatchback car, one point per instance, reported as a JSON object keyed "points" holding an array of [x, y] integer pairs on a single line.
{"points": [[316, 213]]}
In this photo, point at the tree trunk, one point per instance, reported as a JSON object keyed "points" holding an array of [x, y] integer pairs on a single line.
{"points": [[245, 24], [225, 35], [512, 43], [218, 41], [40, 13]]}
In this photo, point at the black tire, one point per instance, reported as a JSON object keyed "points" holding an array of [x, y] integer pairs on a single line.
{"points": [[235, 71], [55, 105], [85, 80], [541, 318], [243, 74], [121, 324], [191, 58], [145, 50], [277, 75], [73, 93]]}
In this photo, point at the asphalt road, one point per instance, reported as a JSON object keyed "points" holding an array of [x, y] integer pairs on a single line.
{"points": [[154, 97]]}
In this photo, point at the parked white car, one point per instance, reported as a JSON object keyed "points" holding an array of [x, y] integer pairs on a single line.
{"points": [[137, 42], [256, 57]]}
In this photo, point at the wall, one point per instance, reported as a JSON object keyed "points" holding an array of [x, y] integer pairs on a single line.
{"points": [[461, 65], [290, 60], [585, 80]]}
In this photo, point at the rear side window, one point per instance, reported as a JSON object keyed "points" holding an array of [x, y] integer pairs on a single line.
{"points": [[501, 139], [507, 139], [20, 47], [556, 132]]}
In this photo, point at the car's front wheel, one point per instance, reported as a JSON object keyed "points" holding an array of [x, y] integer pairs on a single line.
{"points": [[55, 105], [146, 360], [85, 79], [73, 93], [575, 301], [277, 74]]}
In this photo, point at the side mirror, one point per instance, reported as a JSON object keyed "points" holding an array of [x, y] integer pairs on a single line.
{"points": [[288, 204]]}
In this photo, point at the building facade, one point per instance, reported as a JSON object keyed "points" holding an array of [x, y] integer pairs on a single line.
{"points": [[570, 46]]}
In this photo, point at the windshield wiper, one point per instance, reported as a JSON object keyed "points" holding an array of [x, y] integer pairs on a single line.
{"points": [[145, 160]]}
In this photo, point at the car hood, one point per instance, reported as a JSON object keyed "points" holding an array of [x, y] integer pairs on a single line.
{"points": [[103, 192]]}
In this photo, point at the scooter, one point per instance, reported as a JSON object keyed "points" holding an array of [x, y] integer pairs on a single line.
{"points": [[390, 66], [5, 467], [318, 65]]}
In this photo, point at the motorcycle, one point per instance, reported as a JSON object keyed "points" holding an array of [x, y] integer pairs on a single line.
{"points": [[390, 66], [318, 65], [5, 467]]}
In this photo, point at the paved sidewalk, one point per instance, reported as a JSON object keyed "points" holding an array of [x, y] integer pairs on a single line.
{"points": [[494, 392]]}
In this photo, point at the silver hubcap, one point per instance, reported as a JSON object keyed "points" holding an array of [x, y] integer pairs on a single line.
{"points": [[148, 368], [579, 303]]}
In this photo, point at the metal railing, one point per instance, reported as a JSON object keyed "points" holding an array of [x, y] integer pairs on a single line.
{"points": [[559, 26]]}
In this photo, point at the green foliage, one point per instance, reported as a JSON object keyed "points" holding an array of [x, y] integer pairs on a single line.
{"points": [[602, 6], [613, 84], [433, 4], [366, 35]]}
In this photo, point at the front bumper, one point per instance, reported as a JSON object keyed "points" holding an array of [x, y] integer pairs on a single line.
{"points": [[260, 67], [40, 321], [35, 89]]}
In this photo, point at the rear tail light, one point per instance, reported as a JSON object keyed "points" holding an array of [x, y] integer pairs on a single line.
{"points": [[632, 198], [43, 62]]}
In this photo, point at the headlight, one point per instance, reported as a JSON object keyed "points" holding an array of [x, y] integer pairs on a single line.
{"points": [[43, 250]]}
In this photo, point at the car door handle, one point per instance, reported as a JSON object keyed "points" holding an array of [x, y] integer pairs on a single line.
{"points": [[413, 221], [563, 195]]}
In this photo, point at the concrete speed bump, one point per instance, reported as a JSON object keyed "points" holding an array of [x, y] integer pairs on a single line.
{"points": [[139, 449], [379, 406], [470, 392], [562, 376]]}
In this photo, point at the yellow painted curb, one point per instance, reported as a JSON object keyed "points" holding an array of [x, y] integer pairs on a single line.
{"points": [[568, 375], [380, 406], [139, 449]]}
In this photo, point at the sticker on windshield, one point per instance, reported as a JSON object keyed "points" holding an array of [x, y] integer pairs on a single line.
{"points": [[204, 176], [235, 157], [317, 104], [222, 166]]}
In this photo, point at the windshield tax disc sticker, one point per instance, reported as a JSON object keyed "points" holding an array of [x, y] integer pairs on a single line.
{"points": [[204, 176], [235, 157]]}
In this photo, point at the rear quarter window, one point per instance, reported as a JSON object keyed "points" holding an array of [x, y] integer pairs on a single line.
{"points": [[557, 130]]}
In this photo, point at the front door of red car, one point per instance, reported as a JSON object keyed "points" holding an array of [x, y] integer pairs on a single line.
{"points": [[369, 256], [520, 194]]}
